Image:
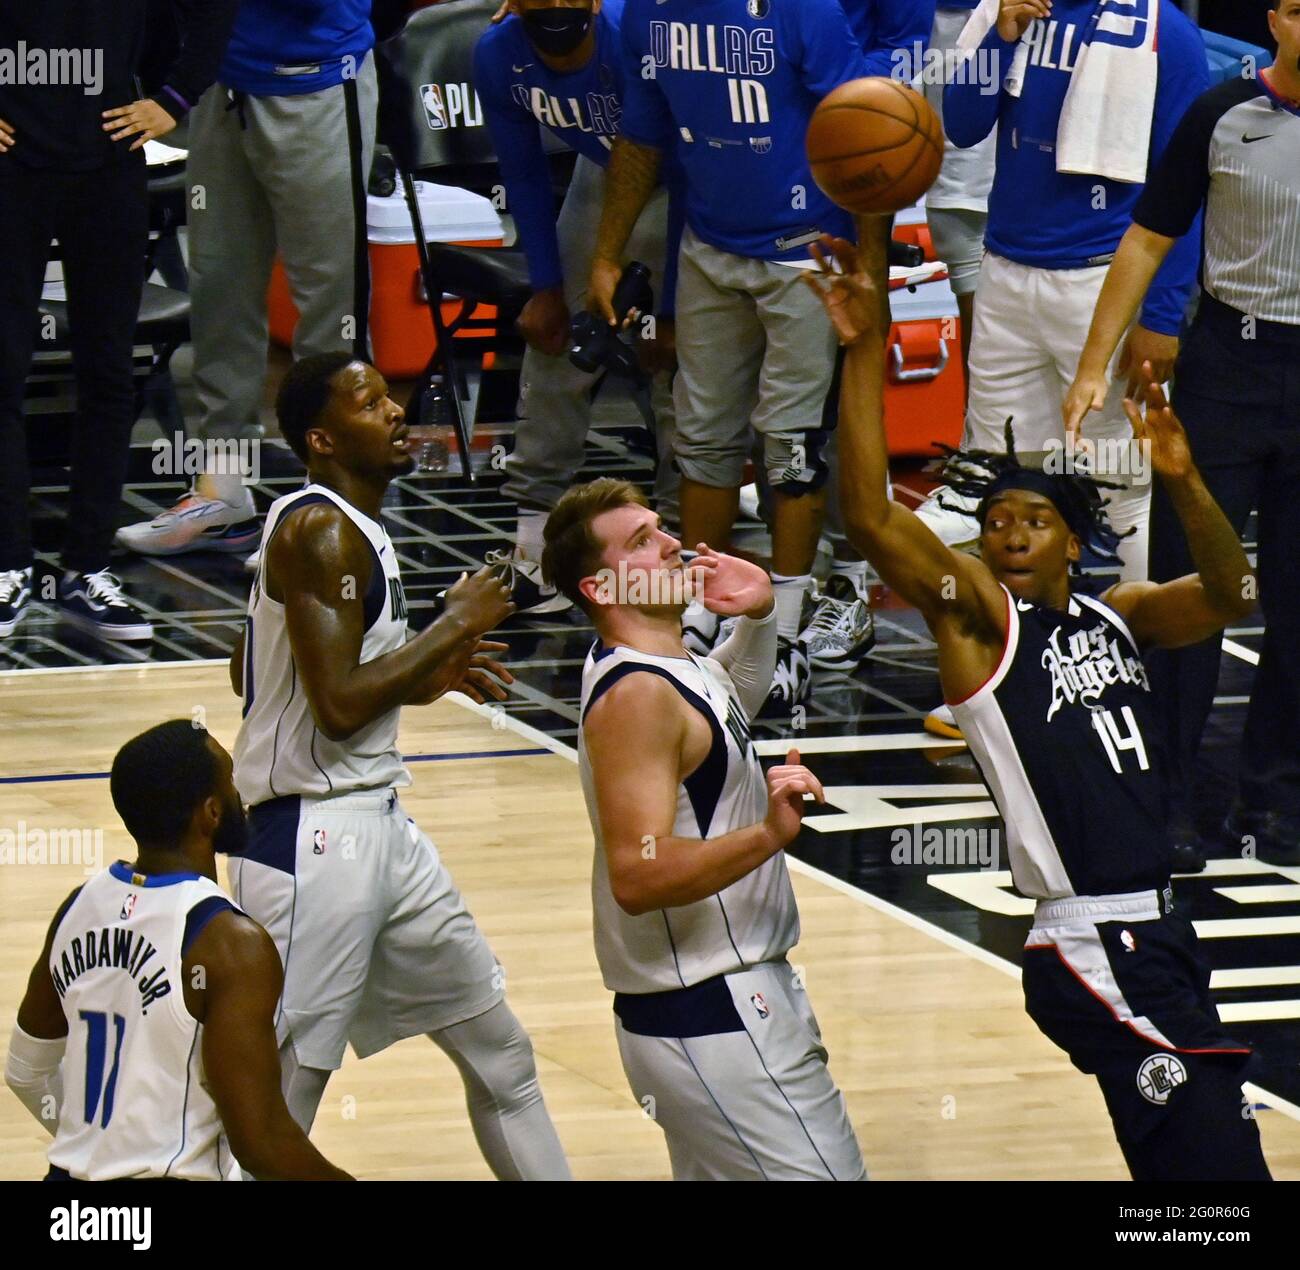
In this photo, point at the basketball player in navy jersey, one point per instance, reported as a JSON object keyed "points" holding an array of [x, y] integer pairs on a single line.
{"points": [[146, 1040], [376, 941], [694, 912], [1049, 689]]}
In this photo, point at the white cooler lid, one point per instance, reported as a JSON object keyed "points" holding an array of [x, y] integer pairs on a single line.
{"points": [[450, 215], [922, 302]]}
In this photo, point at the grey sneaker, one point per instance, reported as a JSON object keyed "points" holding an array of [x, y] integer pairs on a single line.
{"points": [[842, 629], [15, 597]]}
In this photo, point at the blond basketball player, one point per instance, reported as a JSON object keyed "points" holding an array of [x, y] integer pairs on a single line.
{"points": [[694, 912]]}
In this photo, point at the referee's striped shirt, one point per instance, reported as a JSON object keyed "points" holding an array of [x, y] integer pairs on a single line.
{"points": [[1237, 151]]}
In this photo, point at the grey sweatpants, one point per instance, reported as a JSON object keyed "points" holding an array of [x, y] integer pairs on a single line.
{"points": [[270, 174], [555, 396]]}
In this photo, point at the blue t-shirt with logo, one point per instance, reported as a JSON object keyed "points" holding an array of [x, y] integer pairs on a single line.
{"points": [[734, 83], [284, 48]]}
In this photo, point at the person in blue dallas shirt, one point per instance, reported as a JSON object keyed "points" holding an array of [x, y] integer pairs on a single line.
{"points": [[1050, 238], [733, 84], [558, 66]]}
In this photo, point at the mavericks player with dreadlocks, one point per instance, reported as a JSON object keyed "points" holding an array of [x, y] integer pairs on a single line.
{"points": [[1050, 692]]}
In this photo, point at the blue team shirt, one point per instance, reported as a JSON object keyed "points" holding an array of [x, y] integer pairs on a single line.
{"points": [[1052, 220], [284, 48], [735, 91], [889, 29], [520, 95]]}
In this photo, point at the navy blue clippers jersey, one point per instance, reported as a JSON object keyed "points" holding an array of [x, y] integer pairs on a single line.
{"points": [[1067, 737]]}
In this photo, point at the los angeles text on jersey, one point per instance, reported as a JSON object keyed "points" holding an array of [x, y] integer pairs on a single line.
{"points": [[88, 1223], [743, 54], [1087, 664], [112, 948]]}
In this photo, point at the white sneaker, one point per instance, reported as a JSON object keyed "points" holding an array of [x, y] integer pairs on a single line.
{"points": [[951, 517], [842, 629], [196, 523], [15, 598], [940, 722], [533, 597]]}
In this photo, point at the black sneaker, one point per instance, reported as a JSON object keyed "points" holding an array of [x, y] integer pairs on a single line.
{"points": [[94, 603], [842, 629], [532, 596], [791, 681], [15, 597], [1274, 836]]}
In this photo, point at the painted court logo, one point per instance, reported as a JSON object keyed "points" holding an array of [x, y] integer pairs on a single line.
{"points": [[1158, 1077]]}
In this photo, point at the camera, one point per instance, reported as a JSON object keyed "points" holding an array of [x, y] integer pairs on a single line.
{"points": [[595, 345]]}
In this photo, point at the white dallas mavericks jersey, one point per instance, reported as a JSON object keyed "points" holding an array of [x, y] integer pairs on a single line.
{"points": [[279, 750], [135, 1103], [753, 920]]}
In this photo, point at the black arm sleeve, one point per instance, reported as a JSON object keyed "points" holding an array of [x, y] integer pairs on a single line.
{"points": [[1176, 189], [204, 32]]}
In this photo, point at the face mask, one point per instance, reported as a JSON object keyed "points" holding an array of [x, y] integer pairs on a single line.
{"points": [[557, 31]]}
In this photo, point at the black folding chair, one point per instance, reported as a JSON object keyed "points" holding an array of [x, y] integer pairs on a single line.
{"points": [[431, 123]]}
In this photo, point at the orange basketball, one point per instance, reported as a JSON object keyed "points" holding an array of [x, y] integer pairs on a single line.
{"points": [[875, 145]]}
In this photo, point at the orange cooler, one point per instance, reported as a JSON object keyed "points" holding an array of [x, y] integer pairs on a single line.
{"points": [[401, 330]]}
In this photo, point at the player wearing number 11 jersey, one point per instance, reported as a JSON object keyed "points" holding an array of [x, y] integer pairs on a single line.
{"points": [[1049, 689]]}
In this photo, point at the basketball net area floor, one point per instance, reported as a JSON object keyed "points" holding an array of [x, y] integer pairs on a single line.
{"points": [[912, 968]]}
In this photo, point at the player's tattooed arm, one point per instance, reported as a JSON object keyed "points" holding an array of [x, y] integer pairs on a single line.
{"points": [[951, 589], [1223, 589], [632, 178], [319, 566], [238, 968], [636, 790]]}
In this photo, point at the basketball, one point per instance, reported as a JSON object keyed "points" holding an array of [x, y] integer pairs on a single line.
{"points": [[875, 145]]}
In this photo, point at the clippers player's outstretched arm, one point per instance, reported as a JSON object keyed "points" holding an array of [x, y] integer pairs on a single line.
{"points": [[319, 565], [242, 980], [32, 1068], [637, 788], [1223, 589], [956, 594]]}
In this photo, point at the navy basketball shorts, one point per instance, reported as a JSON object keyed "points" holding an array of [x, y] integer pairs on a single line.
{"points": [[1119, 984]]}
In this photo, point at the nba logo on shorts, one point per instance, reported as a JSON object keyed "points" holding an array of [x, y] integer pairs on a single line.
{"points": [[435, 106], [1158, 1077], [318, 842], [761, 145], [760, 1005], [759, 8], [128, 907]]}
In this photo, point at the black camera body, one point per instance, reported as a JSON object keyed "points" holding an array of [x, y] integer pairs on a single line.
{"points": [[594, 345]]}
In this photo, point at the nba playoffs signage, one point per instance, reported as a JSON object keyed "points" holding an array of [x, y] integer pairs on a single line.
{"points": [[451, 106]]}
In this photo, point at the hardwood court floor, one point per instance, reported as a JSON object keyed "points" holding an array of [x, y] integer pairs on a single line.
{"points": [[945, 1076]]}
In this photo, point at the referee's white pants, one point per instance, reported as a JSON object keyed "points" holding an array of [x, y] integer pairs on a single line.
{"points": [[1030, 328]]}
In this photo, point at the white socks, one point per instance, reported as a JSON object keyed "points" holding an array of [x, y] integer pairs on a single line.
{"points": [[530, 534], [788, 593]]}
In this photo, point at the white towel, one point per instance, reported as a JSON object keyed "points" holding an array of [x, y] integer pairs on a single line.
{"points": [[1105, 124]]}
